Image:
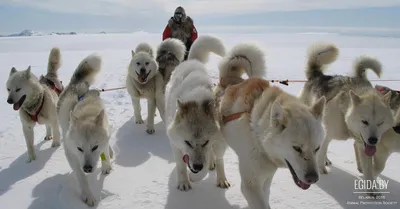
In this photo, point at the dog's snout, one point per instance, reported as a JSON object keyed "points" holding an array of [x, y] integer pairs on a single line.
{"points": [[10, 101], [372, 140], [197, 166], [87, 168], [312, 177], [142, 70]]}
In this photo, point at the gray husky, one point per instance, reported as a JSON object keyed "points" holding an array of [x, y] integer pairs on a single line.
{"points": [[36, 101], [354, 108], [84, 124]]}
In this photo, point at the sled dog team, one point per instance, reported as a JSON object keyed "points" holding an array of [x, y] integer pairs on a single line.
{"points": [[265, 126]]}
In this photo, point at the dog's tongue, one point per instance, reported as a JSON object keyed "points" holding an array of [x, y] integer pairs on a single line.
{"points": [[303, 185], [16, 106], [186, 159], [370, 150]]}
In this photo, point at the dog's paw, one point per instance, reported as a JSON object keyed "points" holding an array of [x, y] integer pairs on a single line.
{"points": [[323, 170], [150, 130], [139, 121], [106, 169], [212, 165], [31, 158], [184, 186], [327, 161], [88, 199], [223, 184], [48, 138], [55, 143]]}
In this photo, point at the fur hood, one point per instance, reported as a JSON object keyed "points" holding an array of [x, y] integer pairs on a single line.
{"points": [[189, 21]]}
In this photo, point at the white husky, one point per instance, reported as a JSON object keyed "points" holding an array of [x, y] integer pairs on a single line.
{"points": [[36, 102], [192, 119], [85, 126], [266, 127]]}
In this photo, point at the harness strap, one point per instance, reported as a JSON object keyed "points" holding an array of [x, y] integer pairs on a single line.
{"points": [[36, 115], [234, 116]]}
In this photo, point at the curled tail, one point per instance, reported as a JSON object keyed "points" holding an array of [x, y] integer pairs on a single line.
{"points": [[243, 58], [202, 47], [87, 69], [363, 63], [143, 47], [54, 61], [171, 47], [320, 54]]}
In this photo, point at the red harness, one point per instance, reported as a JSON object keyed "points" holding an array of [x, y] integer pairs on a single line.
{"points": [[234, 116], [57, 90], [36, 115]]}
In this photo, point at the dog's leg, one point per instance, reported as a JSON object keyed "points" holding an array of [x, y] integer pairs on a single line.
{"points": [[49, 135], [151, 109], [367, 168], [111, 151], [161, 106], [55, 127], [137, 109], [105, 163], [219, 149], [380, 159], [322, 155], [212, 160], [267, 190], [357, 154], [86, 195], [181, 171], [29, 139]]}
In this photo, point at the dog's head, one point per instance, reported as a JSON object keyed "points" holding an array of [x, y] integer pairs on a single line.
{"points": [[21, 86], [394, 99], [295, 135], [89, 140], [143, 67], [194, 131], [368, 117]]}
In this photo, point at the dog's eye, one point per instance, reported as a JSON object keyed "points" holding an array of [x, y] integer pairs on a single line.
{"points": [[147, 63], [18, 90], [188, 144], [379, 124], [316, 150], [205, 143], [95, 148], [298, 149], [8, 89], [365, 122], [138, 63], [80, 149]]}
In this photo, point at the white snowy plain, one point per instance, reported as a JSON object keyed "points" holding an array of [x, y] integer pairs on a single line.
{"points": [[143, 173]]}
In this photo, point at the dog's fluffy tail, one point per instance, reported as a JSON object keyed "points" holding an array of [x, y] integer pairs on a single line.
{"points": [[171, 45], [143, 47], [319, 55], [54, 61], [87, 69], [242, 58], [363, 63], [202, 47]]}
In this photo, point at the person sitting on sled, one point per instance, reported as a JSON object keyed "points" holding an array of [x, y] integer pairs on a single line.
{"points": [[181, 26]]}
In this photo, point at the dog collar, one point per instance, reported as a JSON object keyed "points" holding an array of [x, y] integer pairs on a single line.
{"points": [[103, 157], [81, 98], [234, 116], [35, 116]]}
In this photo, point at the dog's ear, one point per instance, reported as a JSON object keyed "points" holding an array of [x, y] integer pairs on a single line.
{"points": [[100, 117], [133, 53], [355, 99], [278, 118], [386, 98], [12, 71], [28, 72], [318, 108], [72, 117]]}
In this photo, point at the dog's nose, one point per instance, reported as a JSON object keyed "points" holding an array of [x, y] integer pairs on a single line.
{"points": [[312, 177], [142, 70], [372, 140], [197, 167], [10, 101], [87, 168]]}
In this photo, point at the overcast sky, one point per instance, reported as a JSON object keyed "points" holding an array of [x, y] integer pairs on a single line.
{"points": [[152, 15]]}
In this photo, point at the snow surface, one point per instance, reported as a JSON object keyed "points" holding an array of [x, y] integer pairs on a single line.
{"points": [[144, 174]]}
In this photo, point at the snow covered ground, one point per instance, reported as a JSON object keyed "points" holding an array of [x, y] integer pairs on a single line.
{"points": [[144, 174]]}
